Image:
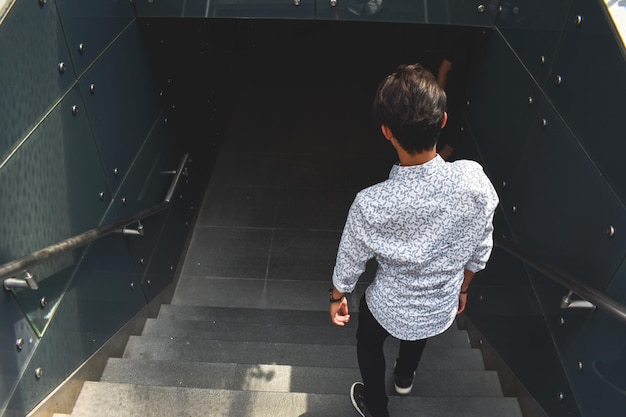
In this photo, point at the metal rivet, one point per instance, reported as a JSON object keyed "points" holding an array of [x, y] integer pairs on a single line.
{"points": [[150, 1], [171, 267], [480, 298], [81, 48], [74, 109], [516, 10], [503, 184], [579, 365], [43, 302], [61, 67], [500, 9], [149, 282], [542, 59], [558, 80], [513, 209], [560, 396], [123, 201], [165, 120], [579, 20], [610, 231], [544, 122], [116, 171], [467, 103], [101, 196], [92, 88], [561, 321], [142, 261], [481, 8], [42, 2], [530, 100], [19, 343], [132, 285], [333, 3], [38, 373], [296, 2]]}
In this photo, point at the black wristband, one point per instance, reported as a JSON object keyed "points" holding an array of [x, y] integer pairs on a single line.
{"points": [[335, 300]]}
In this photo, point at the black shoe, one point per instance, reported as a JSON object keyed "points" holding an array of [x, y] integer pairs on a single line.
{"points": [[404, 384], [357, 395]]}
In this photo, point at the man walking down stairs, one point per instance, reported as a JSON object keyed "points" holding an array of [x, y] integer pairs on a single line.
{"points": [[247, 333]]}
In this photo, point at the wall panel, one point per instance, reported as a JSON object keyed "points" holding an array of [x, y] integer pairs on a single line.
{"points": [[32, 47]]}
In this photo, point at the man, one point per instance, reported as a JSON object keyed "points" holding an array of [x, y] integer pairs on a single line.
{"points": [[429, 226]]}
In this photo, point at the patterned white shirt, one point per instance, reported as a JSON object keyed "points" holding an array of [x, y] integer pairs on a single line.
{"points": [[424, 225]]}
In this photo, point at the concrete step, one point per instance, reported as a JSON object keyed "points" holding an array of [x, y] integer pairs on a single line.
{"points": [[323, 334], [293, 354], [103, 399], [283, 378]]}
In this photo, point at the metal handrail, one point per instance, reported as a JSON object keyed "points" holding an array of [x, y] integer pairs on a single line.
{"points": [[20, 265], [599, 299]]}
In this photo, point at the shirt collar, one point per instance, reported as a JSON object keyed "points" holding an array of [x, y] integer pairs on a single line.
{"points": [[399, 172]]}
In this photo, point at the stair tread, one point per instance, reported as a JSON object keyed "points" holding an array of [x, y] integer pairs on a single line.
{"points": [[205, 350], [283, 378], [103, 399], [268, 332]]}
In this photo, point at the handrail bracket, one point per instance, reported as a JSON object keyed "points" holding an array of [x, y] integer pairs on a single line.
{"points": [[567, 302], [27, 282]]}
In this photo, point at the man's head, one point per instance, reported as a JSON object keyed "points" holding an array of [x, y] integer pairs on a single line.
{"points": [[412, 105]]}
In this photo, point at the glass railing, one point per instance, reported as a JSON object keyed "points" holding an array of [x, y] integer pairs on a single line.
{"points": [[20, 275], [617, 11], [5, 8]]}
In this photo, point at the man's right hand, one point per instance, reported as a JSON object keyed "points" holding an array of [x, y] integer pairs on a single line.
{"points": [[339, 312]]}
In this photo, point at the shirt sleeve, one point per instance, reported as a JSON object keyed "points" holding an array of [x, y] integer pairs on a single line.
{"points": [[354, 252], [481, 254]]}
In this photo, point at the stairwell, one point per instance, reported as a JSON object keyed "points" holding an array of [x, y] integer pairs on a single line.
{"points": [[247, 333]]}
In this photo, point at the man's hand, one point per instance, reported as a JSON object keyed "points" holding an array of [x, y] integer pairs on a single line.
{"points": [[462, 303], [339, 312]]}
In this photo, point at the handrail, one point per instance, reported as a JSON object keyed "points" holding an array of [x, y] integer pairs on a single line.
{"points": [[601, 300], [20, 265]]}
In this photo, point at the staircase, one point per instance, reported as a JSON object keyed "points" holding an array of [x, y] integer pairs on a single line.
{"points": [[247, 333], [231, 361]]}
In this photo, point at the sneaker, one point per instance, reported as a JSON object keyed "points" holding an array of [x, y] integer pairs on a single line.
{"points": [[403, 384], [357, 395]]}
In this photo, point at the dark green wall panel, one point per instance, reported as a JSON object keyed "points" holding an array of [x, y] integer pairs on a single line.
{"points": [[51, 186], [281, 9], [31, 48], [560, 207], [90, 26], [103, 295], [592, 95], [533, 28], [124, 104]]}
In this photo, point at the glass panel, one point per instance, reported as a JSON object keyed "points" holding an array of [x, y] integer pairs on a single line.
{"points": [[283, 9], [51, 191], [590, 99], [533, 29], [32, 47], [5, 8], [90, 26], [617, 11], [454, 12], [123, 105], [102, 296]]}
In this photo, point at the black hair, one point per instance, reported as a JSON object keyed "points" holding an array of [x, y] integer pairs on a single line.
{"points": [[412, 105]]}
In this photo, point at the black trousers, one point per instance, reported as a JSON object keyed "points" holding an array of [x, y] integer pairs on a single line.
{"points": [[371, 337]]}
